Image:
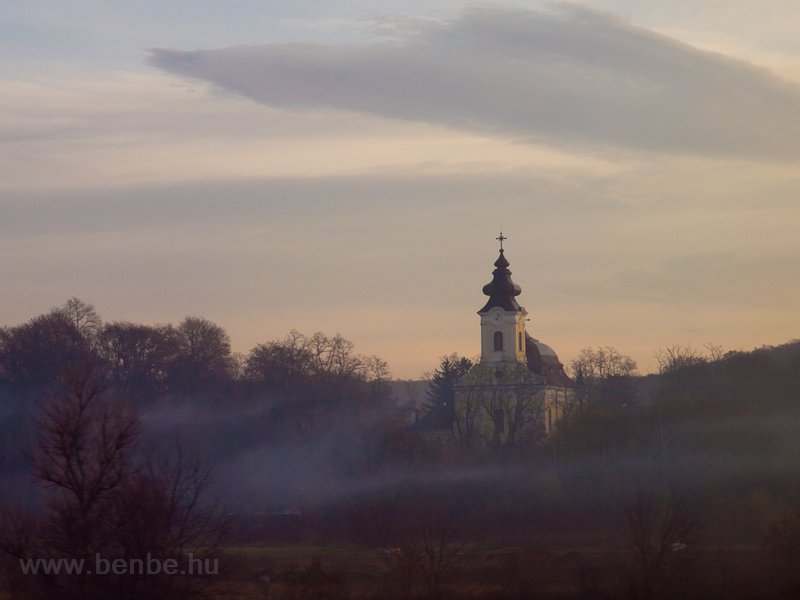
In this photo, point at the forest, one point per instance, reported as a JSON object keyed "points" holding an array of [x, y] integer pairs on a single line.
{"points": [[300, 468]]}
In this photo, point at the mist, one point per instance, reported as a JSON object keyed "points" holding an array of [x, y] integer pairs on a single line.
{"points": [[305, 441]]}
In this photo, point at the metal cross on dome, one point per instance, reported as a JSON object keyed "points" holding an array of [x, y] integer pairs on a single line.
{"points": [[501, 238]]}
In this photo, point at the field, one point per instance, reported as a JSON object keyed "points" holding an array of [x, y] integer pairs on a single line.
{"points": [[542, 568]]}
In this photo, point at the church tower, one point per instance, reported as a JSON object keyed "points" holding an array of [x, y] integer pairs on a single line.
{"points": [[503, 337]]}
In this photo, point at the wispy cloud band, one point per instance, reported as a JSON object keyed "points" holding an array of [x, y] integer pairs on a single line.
{"points": [[574, 77]]}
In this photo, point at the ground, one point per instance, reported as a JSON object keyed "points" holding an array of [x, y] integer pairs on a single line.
{"points": [[546, 568]]}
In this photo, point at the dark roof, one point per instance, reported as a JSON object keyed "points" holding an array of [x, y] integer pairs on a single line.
{"points": [[501, 290], [543, 361]]}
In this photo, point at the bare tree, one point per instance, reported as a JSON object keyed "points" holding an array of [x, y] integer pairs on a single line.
{"points": [[664, 537], [601, 363], [715, 351], [598, 373], [333, 358], [317, 361], [282, 366], [139, 357], [101, 500], [673, 358], [83, 456], [431, 548], [83, 317], [36, 355], [204, 360], [161, 511]]}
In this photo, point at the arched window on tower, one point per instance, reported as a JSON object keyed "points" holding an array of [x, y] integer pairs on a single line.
{"points": [[498, 340], [519, 342]]}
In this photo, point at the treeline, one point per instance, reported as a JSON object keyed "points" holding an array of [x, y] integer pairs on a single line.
{"points": [[720, 428], [149, 363], [305, 419], [306, 422], [185, 383]]}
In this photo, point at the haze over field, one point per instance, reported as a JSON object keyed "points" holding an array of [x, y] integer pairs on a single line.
{"points": [[345, 167]]}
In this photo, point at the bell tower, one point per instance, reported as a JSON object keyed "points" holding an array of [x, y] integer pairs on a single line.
{"points": [[502, 318]]}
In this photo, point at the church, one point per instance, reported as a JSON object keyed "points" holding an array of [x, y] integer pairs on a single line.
{"points": [[518, 391]]}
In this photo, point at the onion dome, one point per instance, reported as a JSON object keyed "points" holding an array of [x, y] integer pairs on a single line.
{"points": [[501, 290]]}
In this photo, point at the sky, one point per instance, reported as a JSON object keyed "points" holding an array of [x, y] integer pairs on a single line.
{"points": [[345, 167]]}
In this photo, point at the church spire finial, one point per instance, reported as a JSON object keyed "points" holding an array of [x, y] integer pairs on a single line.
{"points": [[501, 289], [501, 238]]}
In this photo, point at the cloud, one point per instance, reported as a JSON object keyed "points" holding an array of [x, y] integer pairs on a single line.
{"points": [[124, 128], [574, 78]]}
